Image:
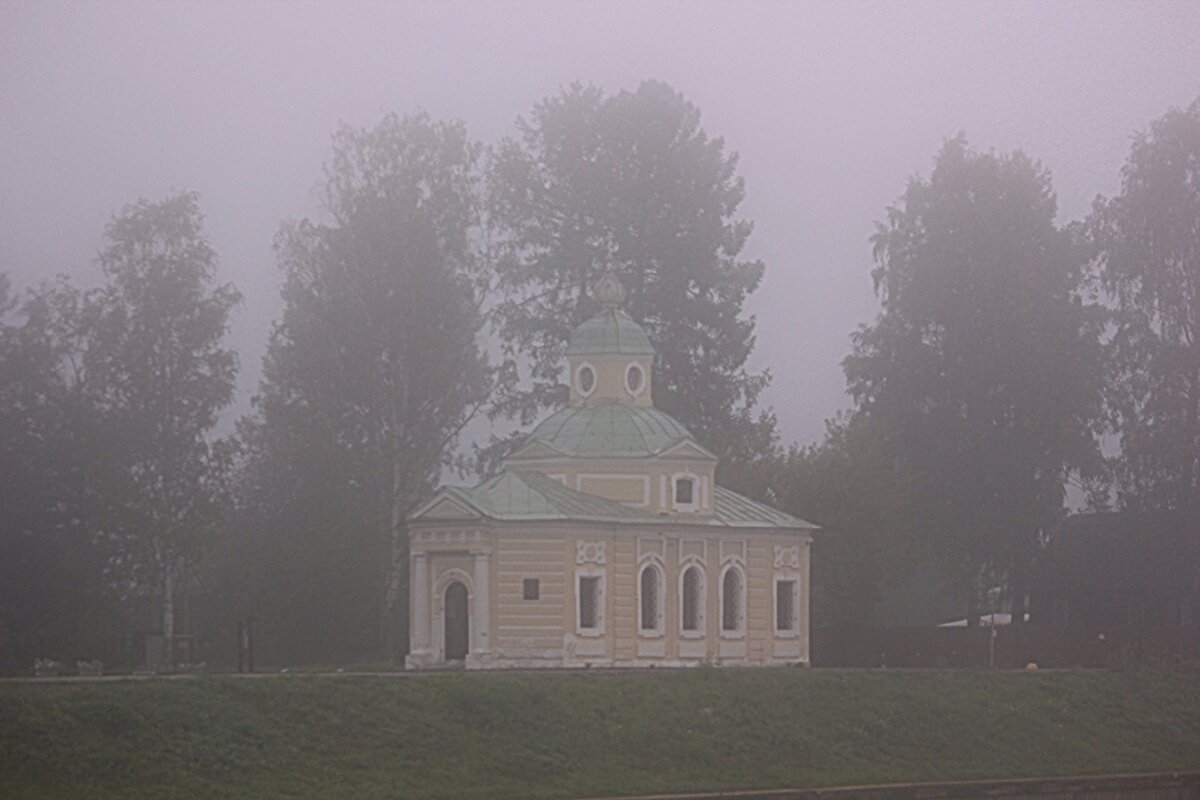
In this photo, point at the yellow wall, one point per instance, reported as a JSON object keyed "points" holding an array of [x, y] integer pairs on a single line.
{"points": [[544, 632]]}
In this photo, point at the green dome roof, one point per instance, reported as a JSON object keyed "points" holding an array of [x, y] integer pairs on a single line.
{"points": [[610, 429], [611, 332]]}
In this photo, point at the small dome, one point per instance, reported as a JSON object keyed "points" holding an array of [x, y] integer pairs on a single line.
{"points": [[611, 332], [611, 429]]}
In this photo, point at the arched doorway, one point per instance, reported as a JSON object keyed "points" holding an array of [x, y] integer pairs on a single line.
{"points": [[457, 631]]}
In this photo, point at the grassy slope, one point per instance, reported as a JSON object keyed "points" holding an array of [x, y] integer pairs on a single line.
{"points": [[482, 736]]}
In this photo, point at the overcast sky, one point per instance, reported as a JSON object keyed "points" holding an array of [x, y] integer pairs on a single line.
{"points": [[831, 106]]}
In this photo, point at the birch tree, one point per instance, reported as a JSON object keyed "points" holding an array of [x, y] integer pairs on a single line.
{"points": [[158, 375], [375, 365], [1147, 241]]}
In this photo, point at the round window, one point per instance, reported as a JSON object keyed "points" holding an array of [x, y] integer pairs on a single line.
{"points": [[634, 379], [586, 380]]}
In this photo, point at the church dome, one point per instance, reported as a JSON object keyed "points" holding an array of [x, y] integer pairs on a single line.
{"points": [[611, 332], [610, 429]]}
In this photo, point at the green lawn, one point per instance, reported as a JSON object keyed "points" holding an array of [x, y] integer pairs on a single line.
{"points": [[573, 735]]}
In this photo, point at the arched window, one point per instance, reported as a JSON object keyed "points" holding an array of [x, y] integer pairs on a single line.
{"points": [[691, 607], [650, 599], [732, 614]]}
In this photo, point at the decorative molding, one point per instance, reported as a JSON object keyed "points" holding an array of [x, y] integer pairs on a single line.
{"points": [[732, 550], [787, 557], [590, 553], [458, 537]]}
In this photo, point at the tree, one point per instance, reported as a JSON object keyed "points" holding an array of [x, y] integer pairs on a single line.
{"points": [[1147, 241], [983, 363], [631, 182], [371, 373], [158, 376], [54, 601], [862, 497]]}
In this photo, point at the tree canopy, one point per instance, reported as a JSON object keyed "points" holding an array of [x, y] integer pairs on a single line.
{"points": [[630, 182], [1147, 241], [983, 361], [371, 373]]}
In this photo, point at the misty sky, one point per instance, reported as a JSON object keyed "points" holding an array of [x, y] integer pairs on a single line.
{"points": [[830, 106]]}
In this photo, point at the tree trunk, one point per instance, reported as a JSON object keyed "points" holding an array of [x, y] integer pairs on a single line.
{"points": [[167, 663], [395, 606]]}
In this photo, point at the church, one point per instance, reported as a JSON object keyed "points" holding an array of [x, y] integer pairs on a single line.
{"points": [[604, 540]]}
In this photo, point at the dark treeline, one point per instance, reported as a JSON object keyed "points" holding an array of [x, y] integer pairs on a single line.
{"points": [[1008, 347]]}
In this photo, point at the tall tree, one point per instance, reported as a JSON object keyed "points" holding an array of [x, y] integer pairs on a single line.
{"points": [[1148, 244], [54, 601], [374, 368], [159, 376], [983, 361], [633, 183]]}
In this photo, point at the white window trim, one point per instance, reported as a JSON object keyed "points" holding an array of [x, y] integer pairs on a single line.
{"points": [[645, 380], [591, 572], [695, 479], [579, 384], [794, 631], [658, 630], [702, 600], [740, 631]]}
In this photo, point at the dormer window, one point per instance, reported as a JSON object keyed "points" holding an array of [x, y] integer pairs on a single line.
{"points": [[685, 491], [635, 379], [585, 379]]}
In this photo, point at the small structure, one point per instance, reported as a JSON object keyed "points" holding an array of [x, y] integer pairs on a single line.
{"points": [[604, 540]]}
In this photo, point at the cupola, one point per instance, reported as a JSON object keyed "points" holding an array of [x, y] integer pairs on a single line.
{"points": [[610, 355]]}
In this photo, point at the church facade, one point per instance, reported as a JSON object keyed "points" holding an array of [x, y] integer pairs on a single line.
{"points": [[605, 541]]}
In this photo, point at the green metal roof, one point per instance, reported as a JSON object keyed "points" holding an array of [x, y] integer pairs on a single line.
{"points": [[525, 495], [611, 332], [609, 430]]}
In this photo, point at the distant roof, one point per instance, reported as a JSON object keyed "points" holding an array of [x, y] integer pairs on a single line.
{"points": [[610, 430], [611, 332], [525, 495]]}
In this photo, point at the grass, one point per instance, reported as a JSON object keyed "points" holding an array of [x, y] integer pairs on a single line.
{"points": [[578, 735]]}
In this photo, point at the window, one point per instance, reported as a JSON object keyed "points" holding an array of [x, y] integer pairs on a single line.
{"points": [[590, 598], [635, 379], [531, 588], [692, 607], [585, 379], [731, 601], [685, 490], [785, 605], [650, 599]]}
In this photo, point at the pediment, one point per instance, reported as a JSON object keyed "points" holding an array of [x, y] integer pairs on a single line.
{"points": [[687, 450], [446, 507], [536, 449]]}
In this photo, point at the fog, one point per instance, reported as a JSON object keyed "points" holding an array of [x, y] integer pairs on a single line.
{"points": [[830, 106]]}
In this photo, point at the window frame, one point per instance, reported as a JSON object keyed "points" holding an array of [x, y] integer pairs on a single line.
{"points": [[740, 631], [579, 378], [794, 631], [630, 367], [660, 600], [602, 598], [701, 600], [694, 479]]}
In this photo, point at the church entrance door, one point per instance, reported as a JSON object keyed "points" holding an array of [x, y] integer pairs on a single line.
{"points": [[456, 621]]}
